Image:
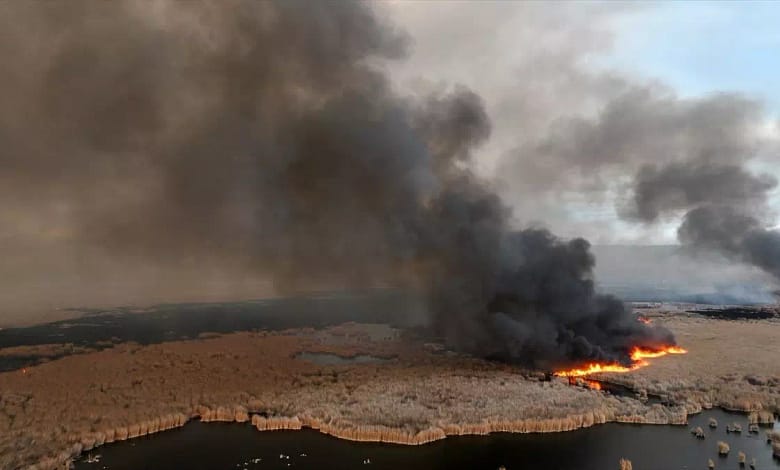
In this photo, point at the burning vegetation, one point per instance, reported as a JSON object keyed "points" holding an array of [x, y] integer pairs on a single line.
{"points": [[638, 357]]}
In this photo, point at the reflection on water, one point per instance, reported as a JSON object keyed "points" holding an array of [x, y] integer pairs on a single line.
{"points": [[229, 446], [328, 359]]}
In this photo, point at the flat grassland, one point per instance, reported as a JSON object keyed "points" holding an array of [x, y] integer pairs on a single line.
{"points": [[734, 364]]}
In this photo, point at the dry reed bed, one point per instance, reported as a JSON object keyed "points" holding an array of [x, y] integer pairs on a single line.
{"points": [[56, 410]]}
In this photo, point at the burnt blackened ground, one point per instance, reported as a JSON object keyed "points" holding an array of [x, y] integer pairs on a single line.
{"points": [[738, 313]]}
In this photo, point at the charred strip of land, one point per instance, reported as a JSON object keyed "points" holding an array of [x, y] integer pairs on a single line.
{"points": [[738, 313]]}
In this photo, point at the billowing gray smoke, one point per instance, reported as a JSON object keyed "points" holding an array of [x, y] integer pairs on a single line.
{"points": [[687, 157], [723, 205], [259, 136], [728, 230], [682, 185]]}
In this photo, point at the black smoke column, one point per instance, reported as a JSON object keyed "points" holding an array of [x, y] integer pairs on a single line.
{"points": [[258, 138]]}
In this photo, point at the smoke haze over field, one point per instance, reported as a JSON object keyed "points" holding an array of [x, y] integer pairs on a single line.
{"points": [[671, 273], [163, 148]]}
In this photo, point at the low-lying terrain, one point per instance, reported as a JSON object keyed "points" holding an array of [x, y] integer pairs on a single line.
{"points": [[52, 412], [730, 363]]}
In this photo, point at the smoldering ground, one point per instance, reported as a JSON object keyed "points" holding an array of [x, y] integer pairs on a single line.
{"points": [[262, 138]]}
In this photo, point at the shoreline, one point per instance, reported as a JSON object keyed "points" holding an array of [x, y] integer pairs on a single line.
{"points": [[370, 432], [365, 433], [349, 432]]}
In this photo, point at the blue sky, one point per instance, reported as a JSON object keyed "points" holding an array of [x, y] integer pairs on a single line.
{"points": [[701, 47]]}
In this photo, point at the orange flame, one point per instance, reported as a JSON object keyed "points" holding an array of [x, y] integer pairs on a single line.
{"points": [[644, 320], [638, 359], [638, 354], [593, 385]]}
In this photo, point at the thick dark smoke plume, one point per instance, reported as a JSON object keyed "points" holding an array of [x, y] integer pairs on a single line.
{"points": [[257, 136], [541, 304]]}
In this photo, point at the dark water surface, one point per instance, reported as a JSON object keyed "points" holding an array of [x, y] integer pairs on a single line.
{"points": [[231, 446], [171, 322]]}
